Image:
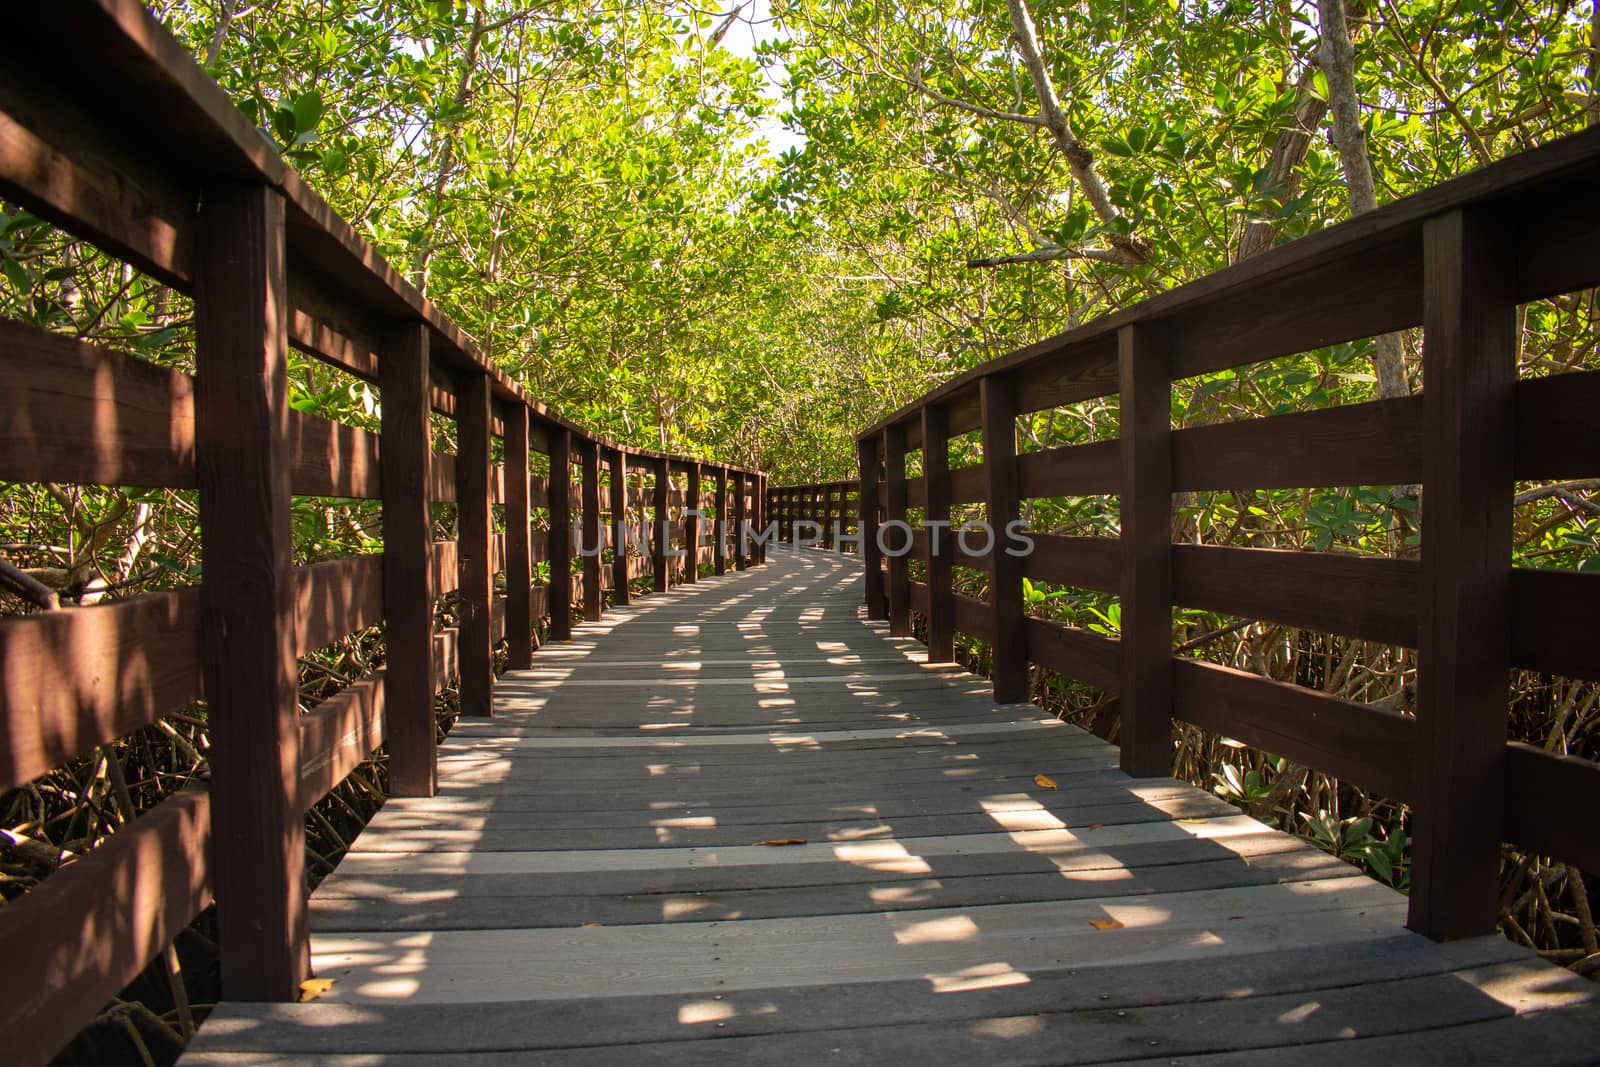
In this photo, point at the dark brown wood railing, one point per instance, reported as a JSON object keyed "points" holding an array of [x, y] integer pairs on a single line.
{"points": [[111, 131], [1456, 260], [824, 513]]}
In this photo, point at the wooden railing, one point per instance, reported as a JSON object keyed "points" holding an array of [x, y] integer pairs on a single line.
{"points": [[821, 512], [1456, 260], [111, 131]]}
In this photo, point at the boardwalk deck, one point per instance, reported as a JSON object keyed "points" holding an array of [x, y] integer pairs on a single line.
{"points": [[596, 882]]}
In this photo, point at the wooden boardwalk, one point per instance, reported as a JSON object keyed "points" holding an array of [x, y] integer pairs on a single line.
{"points": [[737, 823]]}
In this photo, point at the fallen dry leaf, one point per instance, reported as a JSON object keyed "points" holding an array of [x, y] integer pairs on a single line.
{"points": [[1044, 781], [1094, 826], [1105, 924], [778, 841], [593, 924], [1235, 918], [312, 988]]}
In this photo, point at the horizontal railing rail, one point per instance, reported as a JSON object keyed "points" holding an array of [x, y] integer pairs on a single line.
{"points": [[1457, 261], [110, 130]]}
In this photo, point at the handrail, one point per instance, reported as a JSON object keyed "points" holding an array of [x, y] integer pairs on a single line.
{"points": [[110, 130], [1455, 260]]}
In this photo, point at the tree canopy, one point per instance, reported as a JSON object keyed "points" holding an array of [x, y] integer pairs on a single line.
{"points": [[749, 231]]}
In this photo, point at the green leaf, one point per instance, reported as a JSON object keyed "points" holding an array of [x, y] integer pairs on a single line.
{"points": [[307, 111]]}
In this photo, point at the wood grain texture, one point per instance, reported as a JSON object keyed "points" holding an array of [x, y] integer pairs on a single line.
{"points": [[246, 604], [589, 544], [1146, 693], [1079, 470], [79, 677], [719, 548], [518, 558], [896, 529], [105, 917], [619, 514], [560, 535], [1076, 653], [474, 552], [1002, 504], [1469, 374], [940, 609], [1550, 799], [660, 509], [1376, 443], [1313, 590], [1371, 747]]}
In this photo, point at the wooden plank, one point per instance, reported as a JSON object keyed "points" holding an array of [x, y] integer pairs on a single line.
{"points": [[660, 509], [1367, 597], [969, 485], [860, 1006], [518, 551], [1079, 470], [1550, 803], [474, 526], [1085, 562], [896, 535], [339, 734], [442, 478], [939, 610], [1146, 692], [1553, 622], [560, 535], [246, 605], [409, 576], [1076, 653], [1555, 427], [67, 167], [974, 617], [79, 677], [589, 545], [336, 597], [619, 516], [74, 944], [78, 412], [329, 459], [1008, 634], [86, 414], [444, 571], [331, 329], [1371, 747], [1469, 407], [1376, 443]]}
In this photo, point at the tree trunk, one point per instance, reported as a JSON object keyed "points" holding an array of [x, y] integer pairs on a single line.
{"points": [[1339, 64]]}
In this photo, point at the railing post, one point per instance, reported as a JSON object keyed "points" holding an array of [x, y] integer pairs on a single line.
{"points": [[827, 528], [247, 604], [1469, 373], [593, 604], [661, 534], [997, 399], [405, 459], [559, 505], [894, 484], [691, 527], [519, 557], [740, 485], [474, 527], [936, 508], [719, 550], [761, 516], [619, 527], [1145, 367], [871, 554]]}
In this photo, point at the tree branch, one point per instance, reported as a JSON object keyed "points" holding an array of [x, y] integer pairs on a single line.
{"points": [[1050, 254], [914, 78]]}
